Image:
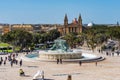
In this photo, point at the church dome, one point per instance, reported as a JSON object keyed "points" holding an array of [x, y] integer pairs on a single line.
{"points": [[90, 24]]}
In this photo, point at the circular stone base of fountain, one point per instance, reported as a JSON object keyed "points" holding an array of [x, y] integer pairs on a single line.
{"points": [[60, 55], [85, 57]]}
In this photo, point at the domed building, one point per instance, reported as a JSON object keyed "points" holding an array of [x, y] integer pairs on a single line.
{"points": [[90, 24]]}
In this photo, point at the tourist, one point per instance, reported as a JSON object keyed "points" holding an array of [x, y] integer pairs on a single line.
{"points": [[5, 58], [61, 61], [11, 63], [57, 61], [20, 62], [99, 50], [112, 53], [96, 63], [117, 53], [9, 58], [13, 55], [107, 53], [1, 59], [69, 77], [21, 72], [16, 61], [80, 63], [4, 62], [16, 54], [0, 63], [13, 59]]}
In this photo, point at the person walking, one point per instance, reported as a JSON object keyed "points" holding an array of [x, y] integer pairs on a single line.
{"points": [[1, 59], [11, 63], [57, 61], [16, 61], [96, 63], [80, 63], [69, 77], [107, 53], [61, 61], [20, 62], [112, 53], [0, 63], [4, 62]]}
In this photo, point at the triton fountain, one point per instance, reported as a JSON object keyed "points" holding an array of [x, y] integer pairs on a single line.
{"points": [[60, 50]]}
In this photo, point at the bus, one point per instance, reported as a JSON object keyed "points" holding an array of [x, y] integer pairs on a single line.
{"points": [[8, 49]]}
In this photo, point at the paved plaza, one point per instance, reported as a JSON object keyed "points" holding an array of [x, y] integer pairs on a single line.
{"points": [[108, 69]]}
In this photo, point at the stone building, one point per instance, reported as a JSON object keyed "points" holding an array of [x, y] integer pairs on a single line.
{"points": [[75, 26], [48, 27], [32, 28], [26, 27], [5, 28]]}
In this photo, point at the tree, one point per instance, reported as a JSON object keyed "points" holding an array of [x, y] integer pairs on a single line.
{"points": [[70, 39], [18, 38]]}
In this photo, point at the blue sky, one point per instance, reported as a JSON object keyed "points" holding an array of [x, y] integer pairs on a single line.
{"points": [[53, 11]]}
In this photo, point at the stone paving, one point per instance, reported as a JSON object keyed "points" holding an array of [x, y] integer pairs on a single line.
{"points": [[108, 69]]}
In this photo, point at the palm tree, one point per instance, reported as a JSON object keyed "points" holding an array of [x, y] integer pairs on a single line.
{"points": [[70, 39], [91, 40]]}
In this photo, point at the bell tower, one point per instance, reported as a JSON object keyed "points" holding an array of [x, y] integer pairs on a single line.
{"points": [[65, 20], [80, 22]]}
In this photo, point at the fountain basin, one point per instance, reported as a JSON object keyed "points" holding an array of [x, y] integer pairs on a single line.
{"points": [[60, 55]]}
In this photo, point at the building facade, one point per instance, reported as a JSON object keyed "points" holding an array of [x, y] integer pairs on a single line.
{"points": [[26, 27], [32, 28], [74, 27], [66, 28], [5, 28]]}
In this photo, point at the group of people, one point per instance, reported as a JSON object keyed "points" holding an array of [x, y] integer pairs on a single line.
{"points": [[10, 58], [109, 53], [59, 61], [112, 53], [80, 63], [3, 61]]}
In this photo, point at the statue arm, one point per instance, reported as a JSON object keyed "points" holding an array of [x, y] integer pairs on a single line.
{"points": [[52, 48]]}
